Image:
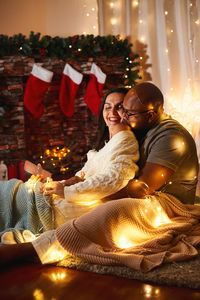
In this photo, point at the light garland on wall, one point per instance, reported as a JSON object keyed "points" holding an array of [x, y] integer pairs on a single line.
{"points": [[90, 12], [184, 106]]}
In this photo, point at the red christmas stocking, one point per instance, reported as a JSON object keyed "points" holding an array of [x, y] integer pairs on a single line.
{"points": [[70, 82], [36, 87], [94, 89]]}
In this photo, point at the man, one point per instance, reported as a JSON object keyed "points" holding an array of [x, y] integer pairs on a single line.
{"points": [[168, 158], [168, 163]]}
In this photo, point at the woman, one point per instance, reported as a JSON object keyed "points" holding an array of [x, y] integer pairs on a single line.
{"points": [[108, 169]]}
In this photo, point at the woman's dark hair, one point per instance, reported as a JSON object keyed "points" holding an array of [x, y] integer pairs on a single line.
{"points": [[103, 133]]}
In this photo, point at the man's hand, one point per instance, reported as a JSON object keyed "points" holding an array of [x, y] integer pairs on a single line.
{"points": [[137, 189]]}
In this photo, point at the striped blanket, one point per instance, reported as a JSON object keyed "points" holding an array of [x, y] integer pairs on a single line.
{"points": [[23, 207]]}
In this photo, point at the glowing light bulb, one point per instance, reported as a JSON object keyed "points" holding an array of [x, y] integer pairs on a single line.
{"points": [[135, 3], [87, 14], [38, 294], [140, 21], [124, 243], [166, 12], [142, 39], [58, 276], [168, 69], [171, 30], [166, 50], [113, 21], [197, 22], [111, 4], [161, 219], [148, 290], [56, 256], [157, 292]]}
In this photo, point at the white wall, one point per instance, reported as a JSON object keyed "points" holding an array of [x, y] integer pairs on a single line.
{"points": [[52, 17]]}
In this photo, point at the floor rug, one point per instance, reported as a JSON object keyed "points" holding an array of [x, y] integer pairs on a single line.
{"points": [[180, 274]]}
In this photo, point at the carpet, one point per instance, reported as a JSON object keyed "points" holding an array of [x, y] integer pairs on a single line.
{"points": [[180, 274]]}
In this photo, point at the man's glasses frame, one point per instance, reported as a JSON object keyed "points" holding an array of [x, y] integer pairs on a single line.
{"points": [[129, 114]]}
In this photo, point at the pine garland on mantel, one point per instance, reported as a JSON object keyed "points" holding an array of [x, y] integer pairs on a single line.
{"points": [[76, 46]]}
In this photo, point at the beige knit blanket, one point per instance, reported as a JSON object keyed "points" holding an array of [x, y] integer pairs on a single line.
{"points": [[138, 233]]}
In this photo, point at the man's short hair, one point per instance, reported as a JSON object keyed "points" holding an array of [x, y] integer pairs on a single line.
{"points": [[148, 94]]}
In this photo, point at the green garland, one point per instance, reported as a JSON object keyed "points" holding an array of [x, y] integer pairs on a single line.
{"points": [[73, 47]]}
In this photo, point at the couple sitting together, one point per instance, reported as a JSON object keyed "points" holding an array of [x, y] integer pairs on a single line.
{"points": [[131, 204]]}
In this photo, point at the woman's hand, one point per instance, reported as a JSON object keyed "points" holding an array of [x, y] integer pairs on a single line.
{"points": [[54, 187]]}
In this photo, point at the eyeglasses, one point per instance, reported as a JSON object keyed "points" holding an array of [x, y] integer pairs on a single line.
{"points": [[129, 114]]}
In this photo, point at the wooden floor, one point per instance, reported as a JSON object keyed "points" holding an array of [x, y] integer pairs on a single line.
{"points": [[33, 281]]}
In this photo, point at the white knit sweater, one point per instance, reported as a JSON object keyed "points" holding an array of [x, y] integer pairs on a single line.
{"points": [[106, 172]]}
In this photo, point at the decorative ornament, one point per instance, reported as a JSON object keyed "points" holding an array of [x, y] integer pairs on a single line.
{"points": [[3, 171]]}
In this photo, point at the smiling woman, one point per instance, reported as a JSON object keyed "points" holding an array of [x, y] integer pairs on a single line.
{"points": [[108, 169], [113, 104]]}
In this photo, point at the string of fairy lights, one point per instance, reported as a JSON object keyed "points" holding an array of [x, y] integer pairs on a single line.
{"points": [[89, 12], [53, 157]]}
